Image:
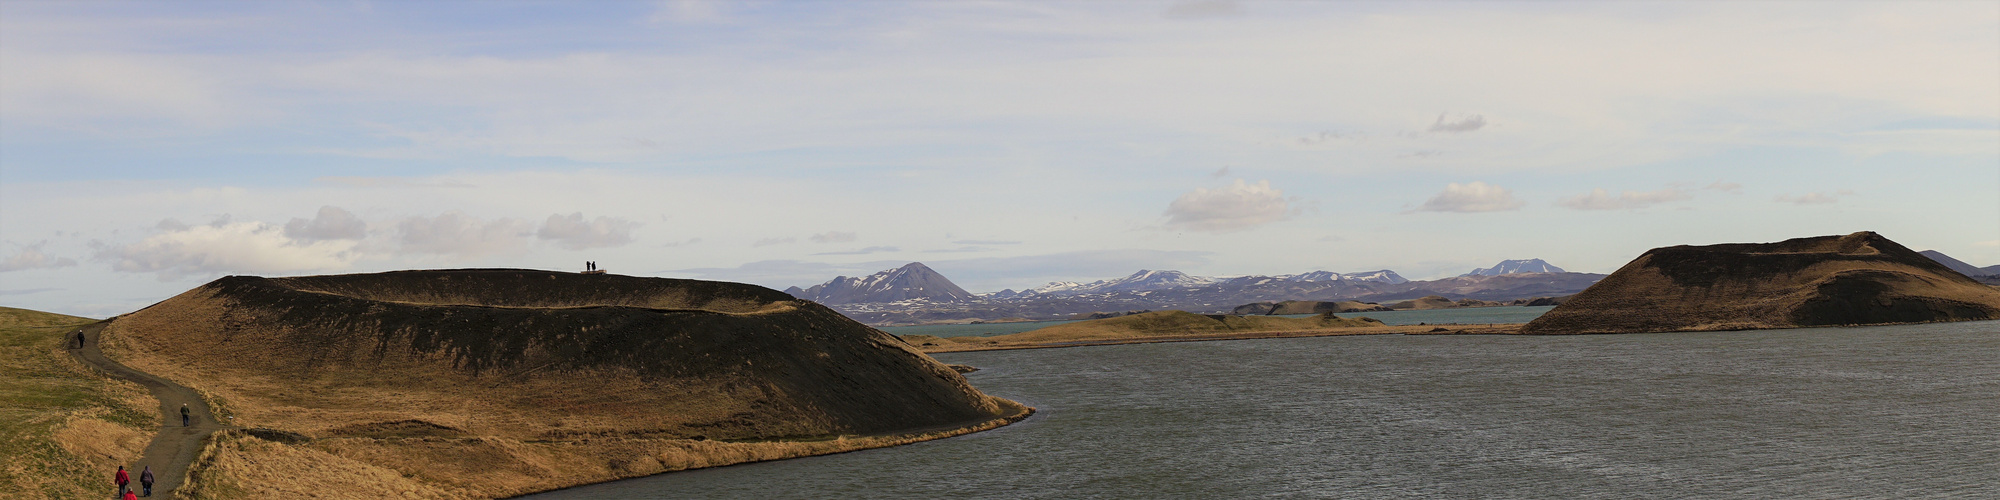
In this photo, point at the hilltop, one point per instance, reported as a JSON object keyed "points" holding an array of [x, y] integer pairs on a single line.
{"points": [[1856, 279], [498, 382], [1515, 267]]}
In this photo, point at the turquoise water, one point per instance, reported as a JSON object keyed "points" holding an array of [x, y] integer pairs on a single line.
{"points": [[1478, 315], [1875, 412]]}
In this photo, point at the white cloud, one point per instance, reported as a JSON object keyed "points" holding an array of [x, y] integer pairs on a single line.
{"points": [[832, 237], [863, 251], [765, 242], [1726, 187], [32, 257], [456, 234], [574, 233], [227, 247], [1237, 207], [1598, 199], [332, 223], [1475, 196]]}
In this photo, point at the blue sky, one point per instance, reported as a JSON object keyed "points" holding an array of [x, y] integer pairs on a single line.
{"points": [[146, 148]]}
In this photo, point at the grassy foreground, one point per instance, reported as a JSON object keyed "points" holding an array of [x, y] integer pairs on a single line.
{"points": [[63, 427]]}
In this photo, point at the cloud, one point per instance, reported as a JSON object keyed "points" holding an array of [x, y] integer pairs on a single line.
{"points": [[687, 12], [27, 291], [332, 223], [457, 234], [1598, 199], [1462, 125], [1206, 9], [959, 250], [864, 251], [1219, 173], [1234, 208], [1726, 187], [574, 233], [225, 247], [773, 241], [1814, 198], [32, 257], [985, 242], [832, 237], [1475, 196], [386, 182]]}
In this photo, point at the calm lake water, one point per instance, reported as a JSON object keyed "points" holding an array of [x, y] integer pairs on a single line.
{"points": [[1897, 411], [1477, 315]]}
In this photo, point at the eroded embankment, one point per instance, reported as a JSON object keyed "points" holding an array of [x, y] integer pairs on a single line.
{"points": [[479, 383]]}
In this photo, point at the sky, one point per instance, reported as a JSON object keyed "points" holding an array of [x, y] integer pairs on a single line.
{"points": [[147, 148]]}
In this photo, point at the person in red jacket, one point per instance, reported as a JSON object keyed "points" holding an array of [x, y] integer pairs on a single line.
{"points": [[123, 478], [130, 496]]}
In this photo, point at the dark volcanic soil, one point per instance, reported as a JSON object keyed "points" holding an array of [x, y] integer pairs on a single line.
{"points": [[1857, 279], [753, 363]]}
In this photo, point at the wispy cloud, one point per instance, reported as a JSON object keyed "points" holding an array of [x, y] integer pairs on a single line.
{"points": [[1814, 198], [1466, 123], [332, 223], [862, 251], [32, 257], [574, 233], [1204, 9], [180, 250], [832, 237], [773, 241], [1598, 199], [457, 234]]}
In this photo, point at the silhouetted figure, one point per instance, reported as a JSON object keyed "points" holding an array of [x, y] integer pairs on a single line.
{"points": [[146, 480], [122, 478], [185, 419], [79, 340]]}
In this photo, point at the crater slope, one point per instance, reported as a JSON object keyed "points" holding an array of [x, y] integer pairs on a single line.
{"points": [[496, 382], [1856, 279]]}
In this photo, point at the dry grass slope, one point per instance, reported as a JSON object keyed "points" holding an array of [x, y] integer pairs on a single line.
{"points": [[1148, 326], [482, 383], [63, 427], [1856, 279]]}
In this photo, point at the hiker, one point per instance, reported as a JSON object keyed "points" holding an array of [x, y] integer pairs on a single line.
{"points": [[123, 478], [79, 339], [184, 415], [146, 480], [130, 496]]}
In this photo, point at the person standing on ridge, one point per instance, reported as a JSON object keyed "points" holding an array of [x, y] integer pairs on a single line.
{"points": [[122, 478], [146, 480], [184, 415], [79, 339]]}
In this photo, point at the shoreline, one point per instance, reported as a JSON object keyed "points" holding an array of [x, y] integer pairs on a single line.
{"points": [[1017, 413], [1438, 329]]}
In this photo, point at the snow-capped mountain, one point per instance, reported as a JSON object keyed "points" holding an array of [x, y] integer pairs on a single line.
{"points": [[912, 281], [1515, 267], [1382, 276], [1142, 281]]}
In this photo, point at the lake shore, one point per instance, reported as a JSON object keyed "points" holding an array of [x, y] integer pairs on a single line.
{"points": [[932, 345]]}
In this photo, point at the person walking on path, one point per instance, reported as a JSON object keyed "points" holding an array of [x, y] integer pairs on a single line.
{"points": [[184, 415], [130, 496], [123, 478], [146, 480], [79, 340]]}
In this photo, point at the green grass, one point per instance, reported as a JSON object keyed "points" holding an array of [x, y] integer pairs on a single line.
{"points": [[40, 388]]}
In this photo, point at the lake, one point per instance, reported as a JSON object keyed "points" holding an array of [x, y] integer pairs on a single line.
{"points": [[1890, 411]]}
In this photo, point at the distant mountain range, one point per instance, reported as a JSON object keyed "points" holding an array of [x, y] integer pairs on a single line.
{"points": [[1961, 266], [1515, 267], [914, 293]]}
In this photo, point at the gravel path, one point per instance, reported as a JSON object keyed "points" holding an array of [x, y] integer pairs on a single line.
{"points": [[176, 446]]}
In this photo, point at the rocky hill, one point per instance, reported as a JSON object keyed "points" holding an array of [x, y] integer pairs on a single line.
{"points": [[499, 382], [1515, 267], [912, 281], [1856, 279]]}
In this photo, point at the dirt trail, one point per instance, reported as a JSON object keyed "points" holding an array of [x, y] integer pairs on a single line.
{"points": [[176, 446]]}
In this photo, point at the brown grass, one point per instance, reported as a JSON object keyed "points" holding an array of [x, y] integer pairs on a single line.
{"points": [[63, 427], [1182, 326], [758, 381]]}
